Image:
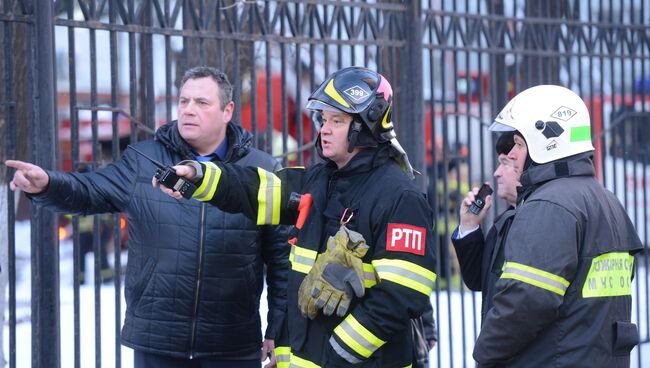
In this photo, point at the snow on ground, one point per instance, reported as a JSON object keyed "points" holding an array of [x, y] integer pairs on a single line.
{"points": [[449, 309]]}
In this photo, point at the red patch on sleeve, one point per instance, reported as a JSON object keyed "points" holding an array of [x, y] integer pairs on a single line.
{"points": [[406, 238]]}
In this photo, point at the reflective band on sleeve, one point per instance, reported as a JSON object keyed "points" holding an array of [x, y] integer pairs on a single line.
{"points": [[268, 198], [610, 274], [534, 276], [406, 274], [302, 259], [369, 278], [208, 186], [580, 133], [357, 337], [343, 353], [282, 356], [298, 362]]}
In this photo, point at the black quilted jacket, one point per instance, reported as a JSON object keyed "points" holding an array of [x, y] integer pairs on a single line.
{"points": [[194, 274]]}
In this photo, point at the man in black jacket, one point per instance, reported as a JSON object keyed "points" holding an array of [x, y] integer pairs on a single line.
{"points": [[481, 257], [194, 273]]}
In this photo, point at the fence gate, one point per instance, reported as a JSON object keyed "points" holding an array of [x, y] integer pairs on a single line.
{"points": [[83, 78]]}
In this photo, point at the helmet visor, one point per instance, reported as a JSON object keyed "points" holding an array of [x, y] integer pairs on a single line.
{"points": [[498, 127], [316, 105]]}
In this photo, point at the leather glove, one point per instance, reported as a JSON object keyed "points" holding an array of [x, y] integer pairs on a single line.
{"points": [[336, 277]]}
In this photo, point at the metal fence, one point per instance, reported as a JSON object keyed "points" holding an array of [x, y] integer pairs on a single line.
{"points": [[83, 77]]}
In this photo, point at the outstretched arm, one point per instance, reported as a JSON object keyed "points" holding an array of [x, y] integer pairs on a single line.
{"points": [[259, 194]]}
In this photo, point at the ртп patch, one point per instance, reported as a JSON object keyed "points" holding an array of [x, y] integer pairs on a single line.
{"points": [[406, 238]]}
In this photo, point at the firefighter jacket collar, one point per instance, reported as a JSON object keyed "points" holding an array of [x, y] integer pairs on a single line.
{"points": [[239, 141], [364, 161], [577, 165]]}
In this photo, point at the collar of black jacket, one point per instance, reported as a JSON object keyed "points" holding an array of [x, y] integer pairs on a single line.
{"points": [[536, 175], [239, 141], [364, 161]]}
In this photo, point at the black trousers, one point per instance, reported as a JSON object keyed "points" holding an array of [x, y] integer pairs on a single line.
{"points": [[149, 360]]}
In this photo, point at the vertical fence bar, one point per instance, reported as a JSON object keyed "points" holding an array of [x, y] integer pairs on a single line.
{"points": [[46, 344], [74, 140], [115, 152], [96, 246], [412, 93], [10, 151]]}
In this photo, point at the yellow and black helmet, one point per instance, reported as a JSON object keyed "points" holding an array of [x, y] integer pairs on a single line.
{"points": [[366, 95]]}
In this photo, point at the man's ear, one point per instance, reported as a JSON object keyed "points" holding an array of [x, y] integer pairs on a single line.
{"points": [[228, 111]]}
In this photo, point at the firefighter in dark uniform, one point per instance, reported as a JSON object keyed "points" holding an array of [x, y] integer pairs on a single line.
{"points": [[362, 262], [564, 296]]}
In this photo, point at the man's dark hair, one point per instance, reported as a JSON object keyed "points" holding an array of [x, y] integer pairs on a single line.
{"points": [[505, 142], [225, 88]]}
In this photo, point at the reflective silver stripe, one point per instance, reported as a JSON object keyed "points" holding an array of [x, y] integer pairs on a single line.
{"points": [[343, 353], [370, 276], [206, 190], [405, 273], [355, 338], [303, 260], [268, 197], [299, 262], [529, 276]]}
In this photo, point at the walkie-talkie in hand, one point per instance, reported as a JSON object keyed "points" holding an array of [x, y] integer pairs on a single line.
{"points": [[166, 176], [479, 200]]}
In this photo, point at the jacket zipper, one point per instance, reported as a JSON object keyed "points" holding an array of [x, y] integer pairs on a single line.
{"points": [[198, 281]]}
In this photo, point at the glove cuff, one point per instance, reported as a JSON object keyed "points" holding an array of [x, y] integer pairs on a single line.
{"points": [[197, 168]]}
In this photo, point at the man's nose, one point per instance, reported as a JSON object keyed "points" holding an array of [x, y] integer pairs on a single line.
{"points": [[325, 128], [190, 108]]}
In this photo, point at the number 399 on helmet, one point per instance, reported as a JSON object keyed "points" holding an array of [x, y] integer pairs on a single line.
{"points": [[363, 93], [553, 120]]}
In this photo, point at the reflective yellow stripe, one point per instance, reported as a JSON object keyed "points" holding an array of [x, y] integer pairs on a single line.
{"points": [[268, 198], [610, 274], [302, 259], [536, 277], [369, 277], [298, 362], [333, 93], [406, 274], [357, 337], [385, 123], [285, 359], [282, 356], [208, 186]]}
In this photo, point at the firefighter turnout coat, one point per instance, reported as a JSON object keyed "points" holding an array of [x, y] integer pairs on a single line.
{"points": [[564, 297], [393, 217]]}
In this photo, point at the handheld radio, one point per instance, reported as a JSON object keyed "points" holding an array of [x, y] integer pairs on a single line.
{"points": [[166, 175], [479, 200]]}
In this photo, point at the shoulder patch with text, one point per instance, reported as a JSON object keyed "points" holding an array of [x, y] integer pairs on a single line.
{"points": [[405, 238]]}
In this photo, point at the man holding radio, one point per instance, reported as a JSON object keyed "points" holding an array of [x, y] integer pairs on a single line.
{"points": [[481, 258]]}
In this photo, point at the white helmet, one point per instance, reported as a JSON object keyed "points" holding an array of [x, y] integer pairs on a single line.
{"points": [[553, 120]]}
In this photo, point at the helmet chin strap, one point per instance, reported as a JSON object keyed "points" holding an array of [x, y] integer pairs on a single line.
{"points": [[353, 135]]}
